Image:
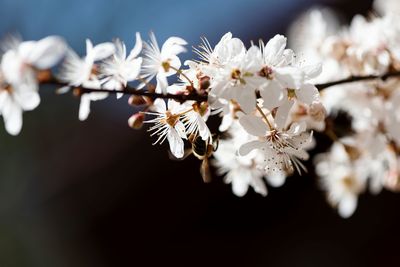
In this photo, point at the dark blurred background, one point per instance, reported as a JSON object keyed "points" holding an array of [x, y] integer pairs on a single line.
{"points": [[99, 194]]}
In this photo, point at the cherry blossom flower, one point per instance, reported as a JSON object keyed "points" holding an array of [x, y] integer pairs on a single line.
{"points": [[282, 148], [78, 71], [120, 69], [168, 125], [342, 181], [240, 171], [18, 83], [162, 63]]}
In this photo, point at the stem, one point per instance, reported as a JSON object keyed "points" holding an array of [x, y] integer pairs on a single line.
{"points": [[203, 97], [265, 117], [180, 72], [358, 79], [133, 91]]}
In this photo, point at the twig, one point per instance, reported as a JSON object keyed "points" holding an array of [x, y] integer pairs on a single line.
{"points": [[203, 97], [358, 79]]}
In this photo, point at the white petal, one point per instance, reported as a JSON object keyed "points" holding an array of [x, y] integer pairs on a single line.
{"points": [[312, 71], [203, 129], [137, 48], [347, 206], [27, 97], [272, 95], [89, 47], [227, 121], [276, 179], [248, 147], [289, 77], [102, 51], [162, 84], [297, 128], [180, 129], [274, 49], [173, 46], [12, 115], [240, 185], [47, 52], [307, 94], [247, 99], [282, 114], [84, 107], [253, 125], [176, 144], [159, 105], [259, 186]]}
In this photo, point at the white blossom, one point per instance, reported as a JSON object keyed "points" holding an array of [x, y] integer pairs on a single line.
{"points": [[282, 148], [162, 63], [168, 125], [120, 69], [78, 71], [18, 83]]}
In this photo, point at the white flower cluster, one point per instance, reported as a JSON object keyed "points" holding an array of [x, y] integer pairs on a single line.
{"points": [[265, 98], [367, 156]]}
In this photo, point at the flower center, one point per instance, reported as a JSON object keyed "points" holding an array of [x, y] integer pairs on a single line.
{"points": [[171, 119], [236, 75], [166, 66], [266, 72], [291, 94], [348, 182]]}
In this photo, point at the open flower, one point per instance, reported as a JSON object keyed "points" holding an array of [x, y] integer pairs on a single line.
{"points": [[240, 171], [162, 63], [168, 125], [283, 149], [195, 121], [18, 82], [78, 71], [238, 80], [120, 69], [342, 180]]}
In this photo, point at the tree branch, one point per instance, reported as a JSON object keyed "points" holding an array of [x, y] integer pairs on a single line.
{"points": [[131, 91], [194, 96], [358, 79]]}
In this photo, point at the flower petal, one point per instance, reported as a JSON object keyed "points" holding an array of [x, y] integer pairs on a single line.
{"points": [[12, 115], [274, 49], [176, 144], [246, 148], [102, 51], [347, 205], [47, 52], [137, 48], [282, 114], [307, 94], [253, 125]]}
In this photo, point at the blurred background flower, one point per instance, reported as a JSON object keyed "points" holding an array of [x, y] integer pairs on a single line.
{"points": [[99, 194]]}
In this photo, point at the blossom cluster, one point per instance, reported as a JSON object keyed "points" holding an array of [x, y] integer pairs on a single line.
{"points": [[264, 96], [366, 156]]}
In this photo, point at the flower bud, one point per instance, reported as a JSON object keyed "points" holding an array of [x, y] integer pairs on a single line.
{"points": [[317, 111], [136, 100], [136, 120], [204, 82]]}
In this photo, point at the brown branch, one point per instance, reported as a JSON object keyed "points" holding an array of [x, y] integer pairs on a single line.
{"points": [[203, 97], [358, 79], [130, 91]]}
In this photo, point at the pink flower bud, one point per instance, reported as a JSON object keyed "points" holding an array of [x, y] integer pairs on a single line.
{"points": [[317, 111], [136, 120]]}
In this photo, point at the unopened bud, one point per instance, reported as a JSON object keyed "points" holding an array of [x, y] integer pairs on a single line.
{"points": [[136, 120], [136, 100], [317, 111], [204, 82], [43, 75], [77, 91]]}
